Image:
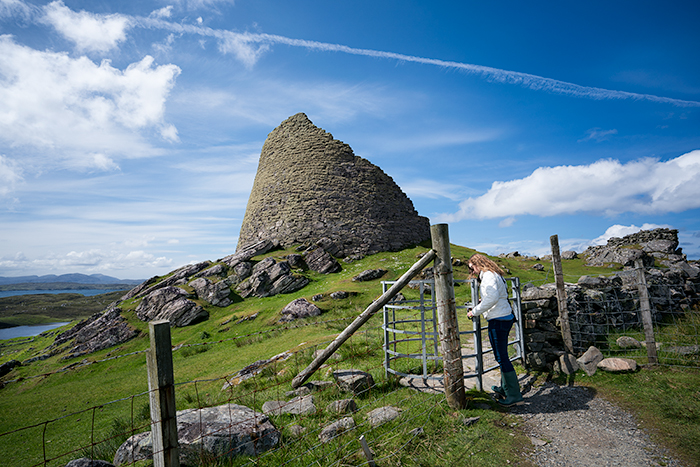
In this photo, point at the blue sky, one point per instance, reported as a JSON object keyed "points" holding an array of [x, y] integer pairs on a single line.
{"points": [[130, 131]]}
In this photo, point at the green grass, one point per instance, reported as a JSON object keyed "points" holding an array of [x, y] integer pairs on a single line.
{"points": [[92, 408]]}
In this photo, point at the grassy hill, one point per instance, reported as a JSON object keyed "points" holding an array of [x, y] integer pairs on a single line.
{"points": [[88, 401]]}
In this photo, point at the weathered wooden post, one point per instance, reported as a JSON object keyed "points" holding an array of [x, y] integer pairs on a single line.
{"points": [[645, 309], [448, 329], [161, 386], [561, 295]]}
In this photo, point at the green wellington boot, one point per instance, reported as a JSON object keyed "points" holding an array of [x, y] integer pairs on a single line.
{"points": [[512, 388], [498, 390]]}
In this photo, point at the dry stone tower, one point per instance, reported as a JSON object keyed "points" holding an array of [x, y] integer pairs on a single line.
{"points": [[310, 186]]}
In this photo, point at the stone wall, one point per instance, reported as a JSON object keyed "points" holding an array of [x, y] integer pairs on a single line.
{"points": [[603, 304], [309, 186]]}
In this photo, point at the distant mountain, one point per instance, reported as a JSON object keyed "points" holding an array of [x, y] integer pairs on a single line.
{"points": [[68, 278]]}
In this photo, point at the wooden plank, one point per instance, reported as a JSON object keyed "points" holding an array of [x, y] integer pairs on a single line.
{"points": [[361, 319]]}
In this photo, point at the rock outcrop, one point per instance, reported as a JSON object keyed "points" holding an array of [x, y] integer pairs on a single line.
{"points": [[309, 186], [660, 245], [227, 430]]}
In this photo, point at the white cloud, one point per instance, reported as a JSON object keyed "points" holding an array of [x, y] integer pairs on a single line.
{"points": [[607, 187], [10, 175], [164, 12], [52, 101], [424, 188], [90, 32], [598, 135], [620, 231]]}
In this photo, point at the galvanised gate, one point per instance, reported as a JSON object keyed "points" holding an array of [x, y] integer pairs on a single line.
{"points": [[410, 332]]}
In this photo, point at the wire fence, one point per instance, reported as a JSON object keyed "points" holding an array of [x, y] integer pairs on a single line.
{"points": [[301, 439], [326, 431]]}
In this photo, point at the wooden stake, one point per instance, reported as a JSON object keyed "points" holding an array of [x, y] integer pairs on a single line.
{"points": [[448, 328], [645, 309], [561, 295], [161, 384]]}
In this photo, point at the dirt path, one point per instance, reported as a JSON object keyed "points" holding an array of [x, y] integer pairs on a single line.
{"points": [[571, 426]]}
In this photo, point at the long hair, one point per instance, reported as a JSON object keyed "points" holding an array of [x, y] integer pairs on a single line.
{"points": [[485, 264]]}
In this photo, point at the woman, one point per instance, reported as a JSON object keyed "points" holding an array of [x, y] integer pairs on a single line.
{"points": [[496, 309]]}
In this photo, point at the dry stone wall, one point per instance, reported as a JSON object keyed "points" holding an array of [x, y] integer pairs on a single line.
{"points": [[309, 186]]}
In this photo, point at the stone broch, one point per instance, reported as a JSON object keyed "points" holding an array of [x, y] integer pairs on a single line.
{"points": [[309, 186]]}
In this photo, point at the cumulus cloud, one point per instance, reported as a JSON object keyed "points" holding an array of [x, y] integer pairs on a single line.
{"points": [[619, 231], [50, 100], [606, 187], [90, 32], [88, 261]]}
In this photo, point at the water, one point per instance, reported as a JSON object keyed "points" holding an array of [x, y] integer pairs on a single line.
{"points": [[28, 331], [86, 292]]}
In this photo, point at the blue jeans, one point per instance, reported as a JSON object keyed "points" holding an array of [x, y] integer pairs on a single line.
{"points": [[498, 336]]}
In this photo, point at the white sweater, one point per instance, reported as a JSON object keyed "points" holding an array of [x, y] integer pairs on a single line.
{"points": [[494, 296]]}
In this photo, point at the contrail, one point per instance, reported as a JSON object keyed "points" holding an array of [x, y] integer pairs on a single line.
{"points": [[525, 80]]}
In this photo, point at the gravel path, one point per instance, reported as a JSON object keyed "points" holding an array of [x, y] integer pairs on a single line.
{"points": [[571, 426]]}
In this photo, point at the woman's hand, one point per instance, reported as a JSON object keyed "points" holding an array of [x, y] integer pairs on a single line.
{"points": [[470, 315]]}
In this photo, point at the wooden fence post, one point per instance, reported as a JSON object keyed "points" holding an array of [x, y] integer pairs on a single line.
{"points": [[561, 295], [161, 384], [448, 329], [645, 309]]}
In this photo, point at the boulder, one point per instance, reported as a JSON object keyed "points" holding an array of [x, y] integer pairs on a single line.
{"points": [[538, 293], [296, 261], [382, 415], [85, 462], [269, 278], [215, 293], [177, 277], [617, 365], [216, 270], [225, 431], [297, 309], [8, 366], [570, 254], [589, 360], [369, 275], [321, 261], [301, 405], [538, 267], [626, 342], [336, 429], [354, 381], [98, 332], [253, 369], [248, 251], [342, 406], [170, 303], [339, 295], [568, 364]]}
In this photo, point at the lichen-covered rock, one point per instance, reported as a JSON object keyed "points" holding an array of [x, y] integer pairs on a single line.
{"points": [[215, 293], [336, 429], [310, 186], [354, 381], [98, 332], [321, 261], [369, 275], [225, 431], [170, 303], [297, 309]]}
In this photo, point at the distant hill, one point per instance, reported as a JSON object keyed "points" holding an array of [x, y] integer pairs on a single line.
{"points": [[95, 279]]}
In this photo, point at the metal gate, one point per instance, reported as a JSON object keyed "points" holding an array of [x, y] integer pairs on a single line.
{"points": [[411, 325]]}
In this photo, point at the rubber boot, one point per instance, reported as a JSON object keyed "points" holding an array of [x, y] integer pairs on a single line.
{"points": [[498, 390], [512, 389]]}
